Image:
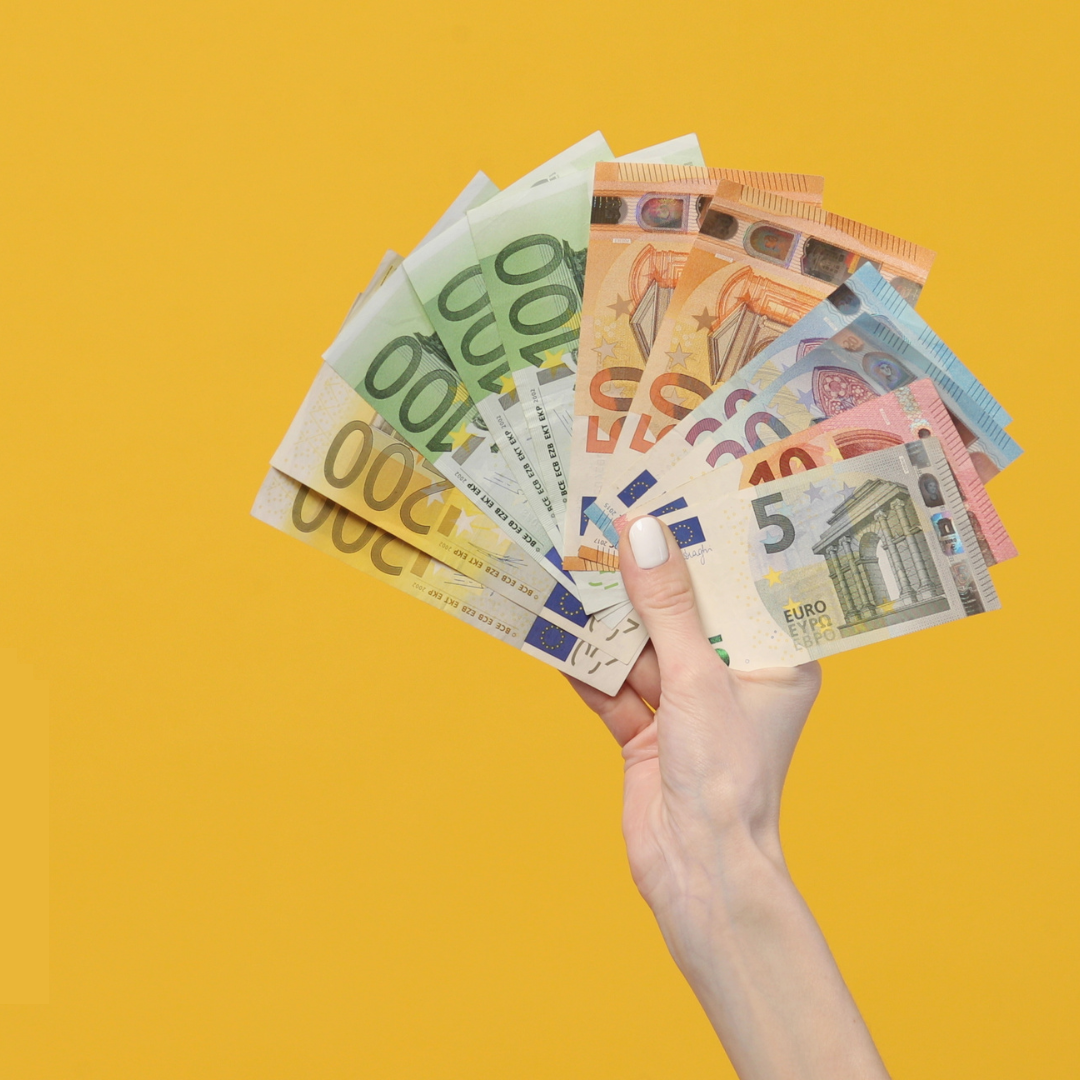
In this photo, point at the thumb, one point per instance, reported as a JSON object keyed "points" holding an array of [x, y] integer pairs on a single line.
{"points": [[658, 583]]}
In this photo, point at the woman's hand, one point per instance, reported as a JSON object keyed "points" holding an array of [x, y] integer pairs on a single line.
{"points": [[706, 752]]}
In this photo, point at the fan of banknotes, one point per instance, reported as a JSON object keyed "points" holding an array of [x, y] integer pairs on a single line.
{"points": [[610, 337]]}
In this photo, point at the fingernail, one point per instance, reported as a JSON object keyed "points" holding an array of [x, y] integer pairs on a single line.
{"points": [[648, 543]]}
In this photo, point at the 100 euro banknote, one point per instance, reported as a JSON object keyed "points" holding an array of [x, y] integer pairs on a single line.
{"points": [[446, 274]]}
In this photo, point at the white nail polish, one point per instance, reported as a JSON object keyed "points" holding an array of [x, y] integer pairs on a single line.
{"points": [[648, 543]]}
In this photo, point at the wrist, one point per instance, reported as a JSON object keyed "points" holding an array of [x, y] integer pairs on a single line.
{"points": [[720, 890]]}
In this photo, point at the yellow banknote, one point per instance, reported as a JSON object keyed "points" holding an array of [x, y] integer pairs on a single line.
{"points": [[301, 513], [339, 446]]}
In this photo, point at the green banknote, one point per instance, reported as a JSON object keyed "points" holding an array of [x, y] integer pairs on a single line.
{"points": [[390, 354], [531, 247], [446, 274]]}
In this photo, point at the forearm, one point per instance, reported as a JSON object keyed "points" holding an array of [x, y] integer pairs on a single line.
{"points": [[758, 963]]}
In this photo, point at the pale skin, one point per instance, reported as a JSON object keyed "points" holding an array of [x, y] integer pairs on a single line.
{"points": [[706, 752]]}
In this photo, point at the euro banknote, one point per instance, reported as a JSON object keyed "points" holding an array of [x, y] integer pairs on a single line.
{"points": [[340, 447], [858, 364], [866, 359], [766, 388], [530, 247], [305, 515], [445, 272], [866, 292], [644, 220], [448, 280], [390, 354], [759, 263], [812, 564], [901, 416]]}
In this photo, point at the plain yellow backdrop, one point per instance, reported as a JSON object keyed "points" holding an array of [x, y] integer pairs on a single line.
{"points": [[302, 826]]}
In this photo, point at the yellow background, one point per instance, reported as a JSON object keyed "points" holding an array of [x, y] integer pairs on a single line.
{"points": [[305, 827]]}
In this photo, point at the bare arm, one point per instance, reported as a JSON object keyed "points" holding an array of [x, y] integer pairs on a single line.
{"points": [[707, 751]]}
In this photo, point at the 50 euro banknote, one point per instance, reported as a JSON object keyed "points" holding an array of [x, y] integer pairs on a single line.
{"points": [[901, 416], [643, 222], [851, 553], [760, 262], [305, 515], [340, 447]]}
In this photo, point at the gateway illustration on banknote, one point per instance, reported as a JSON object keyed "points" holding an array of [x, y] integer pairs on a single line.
{"points": [[616, 336]]}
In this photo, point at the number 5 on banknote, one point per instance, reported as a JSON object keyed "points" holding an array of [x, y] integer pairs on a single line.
{"points": [[766, 520]]}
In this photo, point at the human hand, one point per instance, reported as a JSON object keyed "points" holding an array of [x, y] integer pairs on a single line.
{"points": [[706, 753], [705, 771]]}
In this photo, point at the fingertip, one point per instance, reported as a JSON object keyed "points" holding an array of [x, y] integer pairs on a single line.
{"points": [[648, 540]]}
